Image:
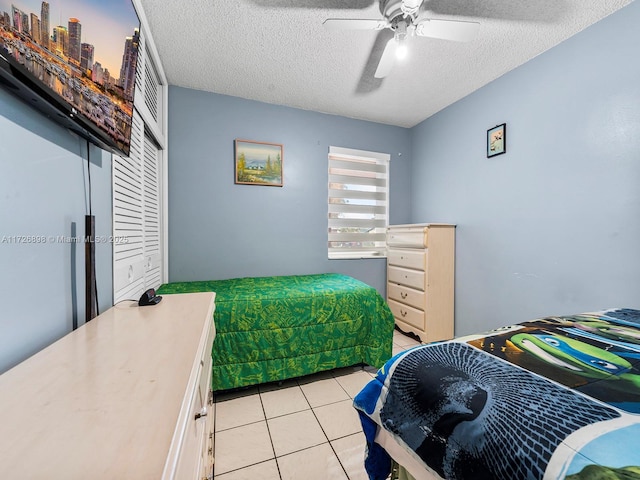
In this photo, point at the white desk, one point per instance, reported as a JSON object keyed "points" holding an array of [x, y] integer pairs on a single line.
{"points": [[115, 399]]}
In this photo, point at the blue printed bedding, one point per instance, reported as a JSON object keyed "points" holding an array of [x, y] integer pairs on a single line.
{"points": [[553, 398]]}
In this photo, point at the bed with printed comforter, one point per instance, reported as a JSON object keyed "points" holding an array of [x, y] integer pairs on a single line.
{"points": [[275, 328], [553, 398]]}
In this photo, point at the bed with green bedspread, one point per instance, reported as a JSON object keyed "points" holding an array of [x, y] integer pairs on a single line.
{"points": [[275, 328]]}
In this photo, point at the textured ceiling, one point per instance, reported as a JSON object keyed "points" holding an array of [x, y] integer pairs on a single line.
{"points": [[278, 51]]}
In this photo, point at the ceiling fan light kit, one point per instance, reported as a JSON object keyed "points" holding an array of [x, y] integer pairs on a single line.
{"points": [[400, 38], [402, 17], [402, 50]]}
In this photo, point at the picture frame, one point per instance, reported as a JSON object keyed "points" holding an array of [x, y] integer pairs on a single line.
{"points": [[258, 163], [497, 140]]}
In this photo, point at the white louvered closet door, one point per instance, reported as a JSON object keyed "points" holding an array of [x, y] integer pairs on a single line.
{"points": [[138, 185], [128, 221], [152, 216], [136, 217]]}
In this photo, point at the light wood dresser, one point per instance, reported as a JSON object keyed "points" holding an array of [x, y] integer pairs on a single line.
{"points": [[420, 278], [125, 396]]}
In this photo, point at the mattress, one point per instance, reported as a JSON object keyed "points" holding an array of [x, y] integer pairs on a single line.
{"points": [[557, 397], [275, 328]]}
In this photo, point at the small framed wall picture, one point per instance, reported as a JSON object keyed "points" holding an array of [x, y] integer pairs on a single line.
{"points": [[497, 140], [258, 163]]}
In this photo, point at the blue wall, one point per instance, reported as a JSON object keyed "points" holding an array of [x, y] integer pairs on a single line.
{"points": [[218, 229], [550, 227], [553, 225], [43, 184]]}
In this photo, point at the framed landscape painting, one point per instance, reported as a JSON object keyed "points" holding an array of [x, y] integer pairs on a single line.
{"points": [[258, 163]]}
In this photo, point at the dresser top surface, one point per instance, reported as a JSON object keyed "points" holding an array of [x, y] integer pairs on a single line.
{"points": [[103, 401]]}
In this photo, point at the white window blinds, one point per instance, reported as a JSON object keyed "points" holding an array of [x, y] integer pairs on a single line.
{"points": [[358, 203]]}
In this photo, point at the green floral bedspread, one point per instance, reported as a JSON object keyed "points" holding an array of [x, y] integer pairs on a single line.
{"points": [[274, 328]]}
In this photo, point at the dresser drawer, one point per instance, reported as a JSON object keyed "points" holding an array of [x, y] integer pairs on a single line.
{"points": [[409, 296], [406, 276], [405, 257], [206, 363], [190, 462], [407, 237], [407, 314]]}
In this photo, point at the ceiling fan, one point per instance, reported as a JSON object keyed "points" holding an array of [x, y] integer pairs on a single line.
{"points": [[402, 17]]}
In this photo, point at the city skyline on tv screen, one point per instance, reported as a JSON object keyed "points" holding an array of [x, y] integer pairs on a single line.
{"points": [[83, 51]]}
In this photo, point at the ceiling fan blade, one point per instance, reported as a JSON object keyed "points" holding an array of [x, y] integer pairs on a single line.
{"points": [[354, 24], [368, 83], [387, 60], [455, 30], [518, 10]]}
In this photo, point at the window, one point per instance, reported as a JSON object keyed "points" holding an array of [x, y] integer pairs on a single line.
{"points": [[358, 203]]}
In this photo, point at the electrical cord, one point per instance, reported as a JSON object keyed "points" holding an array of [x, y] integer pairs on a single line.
{"points": [[90, 214]]}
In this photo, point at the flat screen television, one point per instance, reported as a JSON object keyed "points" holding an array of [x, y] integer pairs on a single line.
{"points": [[75, 61]]}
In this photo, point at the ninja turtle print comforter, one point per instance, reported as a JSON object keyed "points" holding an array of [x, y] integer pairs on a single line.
{"points": [[553, 398]]}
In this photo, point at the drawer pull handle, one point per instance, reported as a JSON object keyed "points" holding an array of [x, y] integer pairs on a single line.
{"points": [[201, 413], [403, 313], [403, 295]]}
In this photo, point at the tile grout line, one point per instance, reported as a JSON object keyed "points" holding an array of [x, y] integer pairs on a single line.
{"points": [[250, 423], [246, 466], [321, 428], [239, 426], [273, 449], [266, 420], [331, 444]]}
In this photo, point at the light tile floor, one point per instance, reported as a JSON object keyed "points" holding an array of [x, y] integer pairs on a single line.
{"points": [[304, 428]]}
